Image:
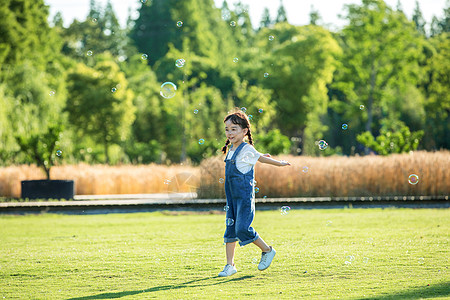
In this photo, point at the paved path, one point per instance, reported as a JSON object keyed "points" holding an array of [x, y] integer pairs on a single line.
{"points": [[94, 204]]}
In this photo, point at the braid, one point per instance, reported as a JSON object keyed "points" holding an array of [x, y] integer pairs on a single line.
{"points": [[249, 134], [224, 148]]}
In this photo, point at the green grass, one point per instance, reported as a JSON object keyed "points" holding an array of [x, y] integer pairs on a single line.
{"points": [[164, 256]]}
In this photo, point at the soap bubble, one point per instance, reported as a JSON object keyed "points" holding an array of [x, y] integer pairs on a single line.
{"points": [[167, 181], [113, 90], [365, 260], [232, 23], [226, 208], [243, 109], [58, 153], [179, 24], [235, 60], [143, 1], [322, 145], [348, 262], [284, 210], [256, 189], [144, 56], [329, 223], [266, 75], [305, 169], [361, 107], [221, 180], [180, 63], [421, 260], [168, 89], [260, 110], [413, 179], [94, 20], [344, 126], [265, 197], [195, 111], [201, 141], [250, 117], [52, 93], [89, 53], [271, 37], [229, 222]]}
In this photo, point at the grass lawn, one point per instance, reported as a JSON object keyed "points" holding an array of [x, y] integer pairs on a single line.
{"points": [[321, 254]]}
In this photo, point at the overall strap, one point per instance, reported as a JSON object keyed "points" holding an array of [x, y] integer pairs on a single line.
{"points": [[238, 149], [235, 152]]}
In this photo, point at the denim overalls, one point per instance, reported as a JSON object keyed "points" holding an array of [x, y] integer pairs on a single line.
{"points": [[239, 189]]}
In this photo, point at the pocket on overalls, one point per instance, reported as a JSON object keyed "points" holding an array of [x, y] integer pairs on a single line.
{"points": [[241, 188]]}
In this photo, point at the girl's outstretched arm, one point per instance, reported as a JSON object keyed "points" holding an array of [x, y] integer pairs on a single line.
{"points": [[266, 159]]}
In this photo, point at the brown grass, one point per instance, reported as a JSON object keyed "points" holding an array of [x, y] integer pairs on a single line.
{"points": [[342, 176], [103, 179], [326, 176]]}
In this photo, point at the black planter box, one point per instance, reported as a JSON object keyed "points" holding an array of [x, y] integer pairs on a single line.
{"points": [[47, 189]]}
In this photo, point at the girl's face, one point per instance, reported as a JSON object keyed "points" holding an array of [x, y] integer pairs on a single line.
{"points": [[234, 132]]}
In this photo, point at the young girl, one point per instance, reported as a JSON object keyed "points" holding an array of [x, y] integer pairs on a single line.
{"points": [[240, 191]]}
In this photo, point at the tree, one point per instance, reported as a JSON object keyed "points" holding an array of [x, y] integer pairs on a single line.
{"points": [[381, 51], [143, 144], [436, 89], [100, 32], [434, 27], [418, 19], [266, 21], [155, 28], [281, 13], [244, 33], [101, 104], [299, 64], [314, 16], [23, 28], [395, 140], [41, 147]]}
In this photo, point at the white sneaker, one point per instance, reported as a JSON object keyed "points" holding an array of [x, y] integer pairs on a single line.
{"points": [[266, 259], [228, 271]]}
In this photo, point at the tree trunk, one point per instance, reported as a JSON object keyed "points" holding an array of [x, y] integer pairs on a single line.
{"points": [[370, 104], [47, 172], [105, 145], [183, 124]]}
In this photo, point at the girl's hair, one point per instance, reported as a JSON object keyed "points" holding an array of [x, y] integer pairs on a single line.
{"points": [[239, 118]]}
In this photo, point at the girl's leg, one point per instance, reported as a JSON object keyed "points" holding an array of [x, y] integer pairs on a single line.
{"points": [[262, 245], [230, 247]]}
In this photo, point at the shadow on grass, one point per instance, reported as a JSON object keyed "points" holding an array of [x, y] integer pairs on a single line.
{"points": [[432, 291], [192, 283]]}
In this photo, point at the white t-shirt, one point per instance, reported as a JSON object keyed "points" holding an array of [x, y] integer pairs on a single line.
{"points": [[246, 158]]}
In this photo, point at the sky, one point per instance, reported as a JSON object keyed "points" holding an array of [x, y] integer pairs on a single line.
{"points": [[297, 10]]}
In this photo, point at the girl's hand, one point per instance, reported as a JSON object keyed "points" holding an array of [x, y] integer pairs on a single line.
{"points": [[284, 163]]}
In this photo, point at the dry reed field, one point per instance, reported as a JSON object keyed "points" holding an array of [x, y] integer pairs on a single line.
{"points": [[307, 176], [341, 176], [103, 179]]}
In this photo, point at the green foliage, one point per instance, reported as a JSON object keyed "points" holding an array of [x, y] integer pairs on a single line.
{"points": [[272, 142], [41, 147], [436, 89], [101, 104], [317, 80], [143, 153], [388, 142], [382, 52], [25, 34]]}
